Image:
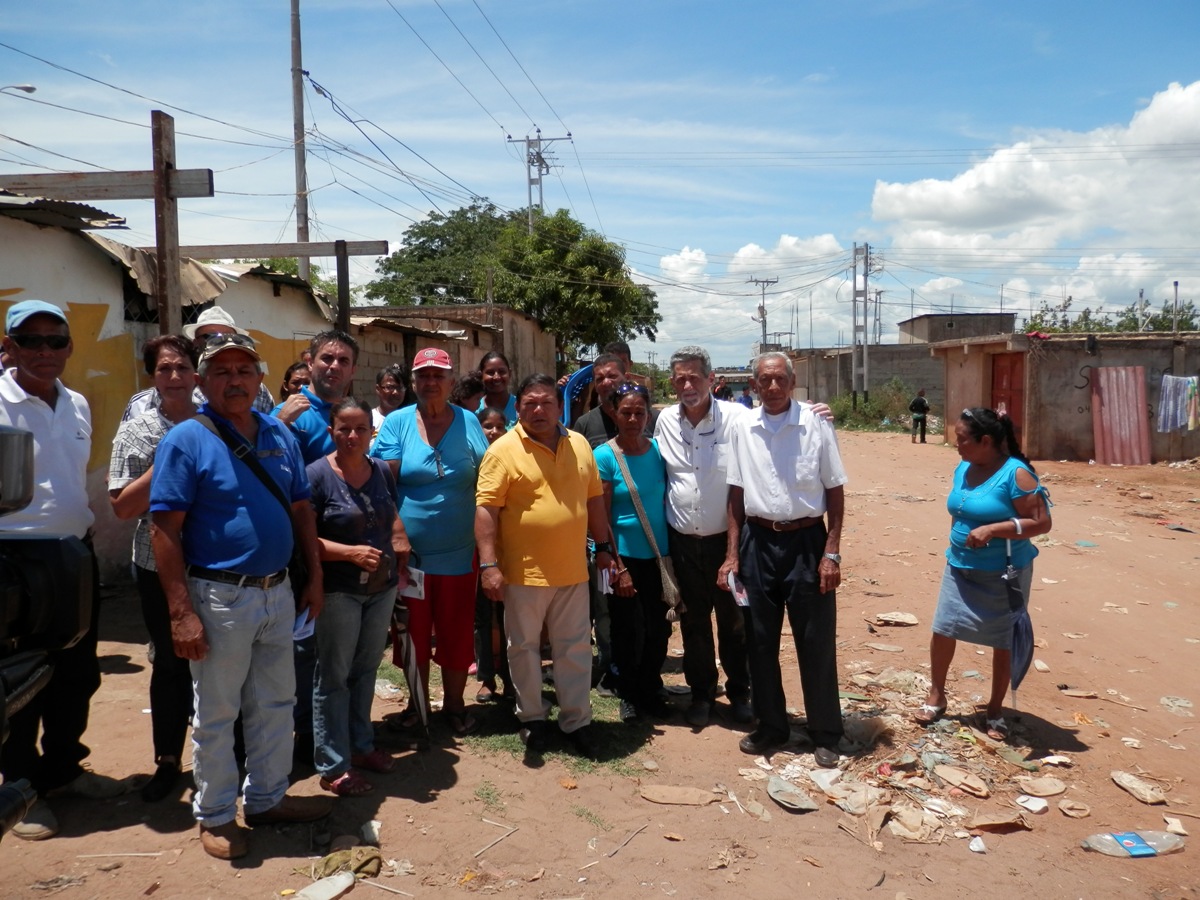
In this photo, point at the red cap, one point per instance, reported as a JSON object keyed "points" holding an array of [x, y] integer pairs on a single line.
{"points": [[432, 356]]}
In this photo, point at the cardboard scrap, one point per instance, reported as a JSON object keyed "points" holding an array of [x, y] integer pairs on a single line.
{"points": [[1001, 821], [1140, 788], [678, 795], [961, 779], [1042, 787]]}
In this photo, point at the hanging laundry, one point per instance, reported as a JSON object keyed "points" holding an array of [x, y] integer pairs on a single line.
{"points": [[1193, 403], [1173, 403]]}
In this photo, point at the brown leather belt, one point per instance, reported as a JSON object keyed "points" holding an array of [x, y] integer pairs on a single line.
{"points": [[789, 525], [224, 576]]}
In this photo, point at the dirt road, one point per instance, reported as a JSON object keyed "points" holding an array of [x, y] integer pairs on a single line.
{"points": [[1116, 612]]}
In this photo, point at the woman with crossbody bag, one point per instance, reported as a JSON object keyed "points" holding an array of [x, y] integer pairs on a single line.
{"points": [[634, 479]]}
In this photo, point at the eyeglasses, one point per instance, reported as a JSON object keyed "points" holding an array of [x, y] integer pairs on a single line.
{"points": [[967, 414], [222, 340], [38, 341]]}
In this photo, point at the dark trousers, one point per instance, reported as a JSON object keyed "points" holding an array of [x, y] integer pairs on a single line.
{"points": [[60, 709], [170, 675], [489, 663], [779, 570], [697, 561], [919, 421], [640, 633]]}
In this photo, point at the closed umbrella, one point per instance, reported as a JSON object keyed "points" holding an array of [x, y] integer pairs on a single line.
{"points": [[407, 652], [1022, 625]]}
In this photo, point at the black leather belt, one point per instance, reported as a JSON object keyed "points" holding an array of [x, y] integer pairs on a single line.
{"points": [[224, 576], [788, 525]]}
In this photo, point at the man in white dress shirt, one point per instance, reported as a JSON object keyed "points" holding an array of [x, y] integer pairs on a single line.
{"points": [[693, 437], [786, 502]]}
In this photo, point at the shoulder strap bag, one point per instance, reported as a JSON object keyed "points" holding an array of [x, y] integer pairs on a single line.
{"points": [[297, 566], [666, 568]]}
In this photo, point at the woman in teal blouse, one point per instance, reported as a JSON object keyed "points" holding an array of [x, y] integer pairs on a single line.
{"points": [[995, 502]]}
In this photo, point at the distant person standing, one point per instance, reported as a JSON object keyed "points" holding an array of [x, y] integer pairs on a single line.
{"points": [[920, 410], [747, 399], [722, 391]]}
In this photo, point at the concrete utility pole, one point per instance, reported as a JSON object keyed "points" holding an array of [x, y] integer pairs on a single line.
{"points": [[298, 140], [762, 307], [859, 366], [536, 166]]}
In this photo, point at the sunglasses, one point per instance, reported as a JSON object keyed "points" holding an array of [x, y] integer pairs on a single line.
{"points": [[236, 340], [630, 387], [38, 341]]}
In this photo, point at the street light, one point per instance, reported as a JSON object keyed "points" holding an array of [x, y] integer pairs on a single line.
{"points": [[26, 88]]}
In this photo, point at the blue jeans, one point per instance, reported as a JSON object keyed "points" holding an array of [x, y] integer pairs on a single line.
{"points": [[248, 670], [351, 633]]}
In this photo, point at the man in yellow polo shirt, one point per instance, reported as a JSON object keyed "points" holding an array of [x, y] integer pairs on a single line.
{"points": [[538, 496]]}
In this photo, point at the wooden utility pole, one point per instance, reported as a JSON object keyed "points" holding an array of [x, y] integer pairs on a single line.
{"points": [[166, 225], [298, 139]]}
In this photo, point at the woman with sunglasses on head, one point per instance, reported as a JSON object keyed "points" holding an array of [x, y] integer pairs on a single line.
{"points": [[359, 532], [434, 449], [171, 361], [298, 374], [391, 387], [640, 630], [996, 506]]}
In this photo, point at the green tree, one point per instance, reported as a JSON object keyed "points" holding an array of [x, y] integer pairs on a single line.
{"points": [[566, 275], [1057, 319], [1131, 318], [444, 259]]}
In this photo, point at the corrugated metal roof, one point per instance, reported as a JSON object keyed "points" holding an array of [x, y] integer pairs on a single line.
{"points": [[1120, 426], [58, 213]]}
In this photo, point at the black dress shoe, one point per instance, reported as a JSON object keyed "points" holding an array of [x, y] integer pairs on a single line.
{"points": [[826, 757], [741, 710], [629, 712], [761, 742], [697, 714], [533, 736], [165, 777], [584, 740]]}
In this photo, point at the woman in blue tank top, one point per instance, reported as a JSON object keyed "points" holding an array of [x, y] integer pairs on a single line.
{"points": [[995, 503]]}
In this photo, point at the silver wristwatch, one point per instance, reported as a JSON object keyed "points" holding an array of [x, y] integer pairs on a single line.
{"points": [[834, 557]]}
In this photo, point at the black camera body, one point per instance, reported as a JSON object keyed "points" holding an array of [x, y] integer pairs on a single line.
{"points": [[45, 605]]}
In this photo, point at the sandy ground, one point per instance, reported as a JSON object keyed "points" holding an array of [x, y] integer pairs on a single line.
{"points": [[1127, 593]]}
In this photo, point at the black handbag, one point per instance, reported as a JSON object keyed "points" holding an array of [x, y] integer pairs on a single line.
{"points": [[297, 565]]}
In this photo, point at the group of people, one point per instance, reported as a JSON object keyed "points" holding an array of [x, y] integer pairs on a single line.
{"points": [[525, 533]]}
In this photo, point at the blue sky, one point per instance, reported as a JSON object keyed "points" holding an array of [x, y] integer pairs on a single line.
{"points": [[1049, 148]]}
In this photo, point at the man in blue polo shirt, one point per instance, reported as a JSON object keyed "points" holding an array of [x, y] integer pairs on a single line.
{"points": [[334, 355], [217, 533]]}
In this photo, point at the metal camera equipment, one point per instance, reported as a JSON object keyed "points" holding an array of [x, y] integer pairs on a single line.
{"points": [[45, 605]]}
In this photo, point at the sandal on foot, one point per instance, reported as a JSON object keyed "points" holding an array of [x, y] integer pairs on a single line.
{"points": [[403, 721], [928, 714], [375, 761], [997, 728], [463, 723], [348, 784]]}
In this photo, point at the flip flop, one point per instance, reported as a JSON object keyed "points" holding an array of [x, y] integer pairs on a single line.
{"points": [[927, 714], [375, 761], [348, 784], [463, 723], [403, 721], [997, 728]]}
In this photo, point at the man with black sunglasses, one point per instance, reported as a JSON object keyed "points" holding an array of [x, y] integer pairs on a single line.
{"points": [[37, 342]]}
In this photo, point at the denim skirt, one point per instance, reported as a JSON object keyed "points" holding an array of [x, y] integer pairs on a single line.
{"points": [[973, 606]]}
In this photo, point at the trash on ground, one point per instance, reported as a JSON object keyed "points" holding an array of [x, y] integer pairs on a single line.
{"points": [[915, 825], [886, 648], [1035, 805], [789, 796], [327, 888], [677, 795], [672, 836], [1132, 743], [370, 832], [1073, 635], [1042, 787], [1179, 706], [1001, 821], [649, 765], [1041, 666], [895, 618], [1133, 843], [977, 845], [1174, 826], [1057, 759], [1140, 788], [962, 779], [1074, 809]]}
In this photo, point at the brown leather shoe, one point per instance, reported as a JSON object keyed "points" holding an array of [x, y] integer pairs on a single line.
{"points": [[292, 809], [226, 841]]}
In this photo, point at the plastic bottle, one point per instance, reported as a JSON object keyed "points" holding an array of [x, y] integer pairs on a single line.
{"points": [[1134, 843]]}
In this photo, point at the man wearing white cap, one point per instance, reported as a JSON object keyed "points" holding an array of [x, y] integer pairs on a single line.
{"points": [[212, 321], [220, 538], [37, 342]]}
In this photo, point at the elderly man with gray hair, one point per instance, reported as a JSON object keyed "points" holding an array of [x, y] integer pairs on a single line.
{"points": [[786, 502], [693, 437]]}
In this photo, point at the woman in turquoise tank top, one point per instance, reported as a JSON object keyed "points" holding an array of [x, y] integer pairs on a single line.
{"points": [[995, 502]]}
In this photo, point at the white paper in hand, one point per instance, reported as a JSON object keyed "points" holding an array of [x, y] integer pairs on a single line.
{"points": [[304, 626], [412, 583], [738, 589]]}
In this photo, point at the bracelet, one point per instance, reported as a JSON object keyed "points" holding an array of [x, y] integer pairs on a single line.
{"points": [[1017, 524], [604, 547], [491, 565]]}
